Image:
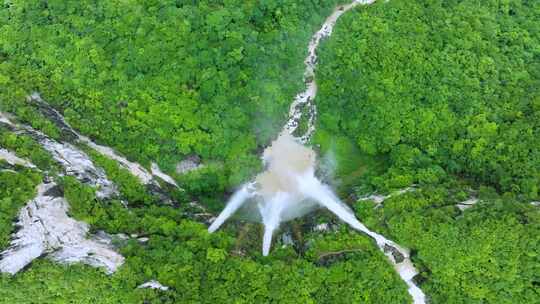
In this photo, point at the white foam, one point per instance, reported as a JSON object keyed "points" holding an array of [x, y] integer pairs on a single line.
{"points": [[289, 188], [306, 97]]}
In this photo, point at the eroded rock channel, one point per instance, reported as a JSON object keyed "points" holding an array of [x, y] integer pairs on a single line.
{"points": [[287, 189]]}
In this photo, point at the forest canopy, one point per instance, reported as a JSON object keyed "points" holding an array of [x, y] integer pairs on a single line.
{"points": [[159, 80], [437, 98], [441, 87]]}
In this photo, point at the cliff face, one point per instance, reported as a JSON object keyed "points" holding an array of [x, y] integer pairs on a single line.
{"points": [[47, 230]]}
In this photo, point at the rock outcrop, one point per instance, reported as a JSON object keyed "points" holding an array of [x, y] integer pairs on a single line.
{"points": [[45, 229]]}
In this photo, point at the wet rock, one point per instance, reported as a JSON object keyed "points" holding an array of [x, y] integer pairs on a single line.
{"points": [[75, 162], [122, 236], [329, 258], [162, 196], [321, 227], [54, 191], [52, 114], [156, 171], [467, 204], [325, 227], [398, 256], [199, 212], [379, 199], [78, 164], [5, 121], [143, 240], [287, 239]]}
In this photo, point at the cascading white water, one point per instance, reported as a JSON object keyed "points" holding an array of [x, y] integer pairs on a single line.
{"points": [[289, 189], [271, 217], [236, 201], [275, 193]]}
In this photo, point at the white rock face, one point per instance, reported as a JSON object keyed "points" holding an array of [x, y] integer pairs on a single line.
{"points": [[321, 227], [13, 159], [4, 119], [467, 204], [46, 229], [166, 178], [75, 162], [189, 164], [379, 199], [153, 284], [136, 169], [78, 164]]}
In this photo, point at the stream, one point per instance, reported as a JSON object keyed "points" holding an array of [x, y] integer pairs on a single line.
{"points": [[287, 189]]}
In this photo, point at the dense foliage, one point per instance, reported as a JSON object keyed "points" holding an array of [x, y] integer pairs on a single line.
{"points": [[204, 268], [200, 270], [441, 87], [487, 254], [441, 94], [15, 190], [161, 79], [435, 92]]}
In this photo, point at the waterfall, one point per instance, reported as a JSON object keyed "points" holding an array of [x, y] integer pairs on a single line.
{"points": [[289, 189], [236, 201]]}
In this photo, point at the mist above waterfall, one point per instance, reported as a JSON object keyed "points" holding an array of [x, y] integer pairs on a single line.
{"points": [[274, 196], [285, 159], [286, 190]]}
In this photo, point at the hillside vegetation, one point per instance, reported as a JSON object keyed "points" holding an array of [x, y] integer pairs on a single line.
{"points": [[446, 94], [442, 96], [441, 88], [161, 80]]}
